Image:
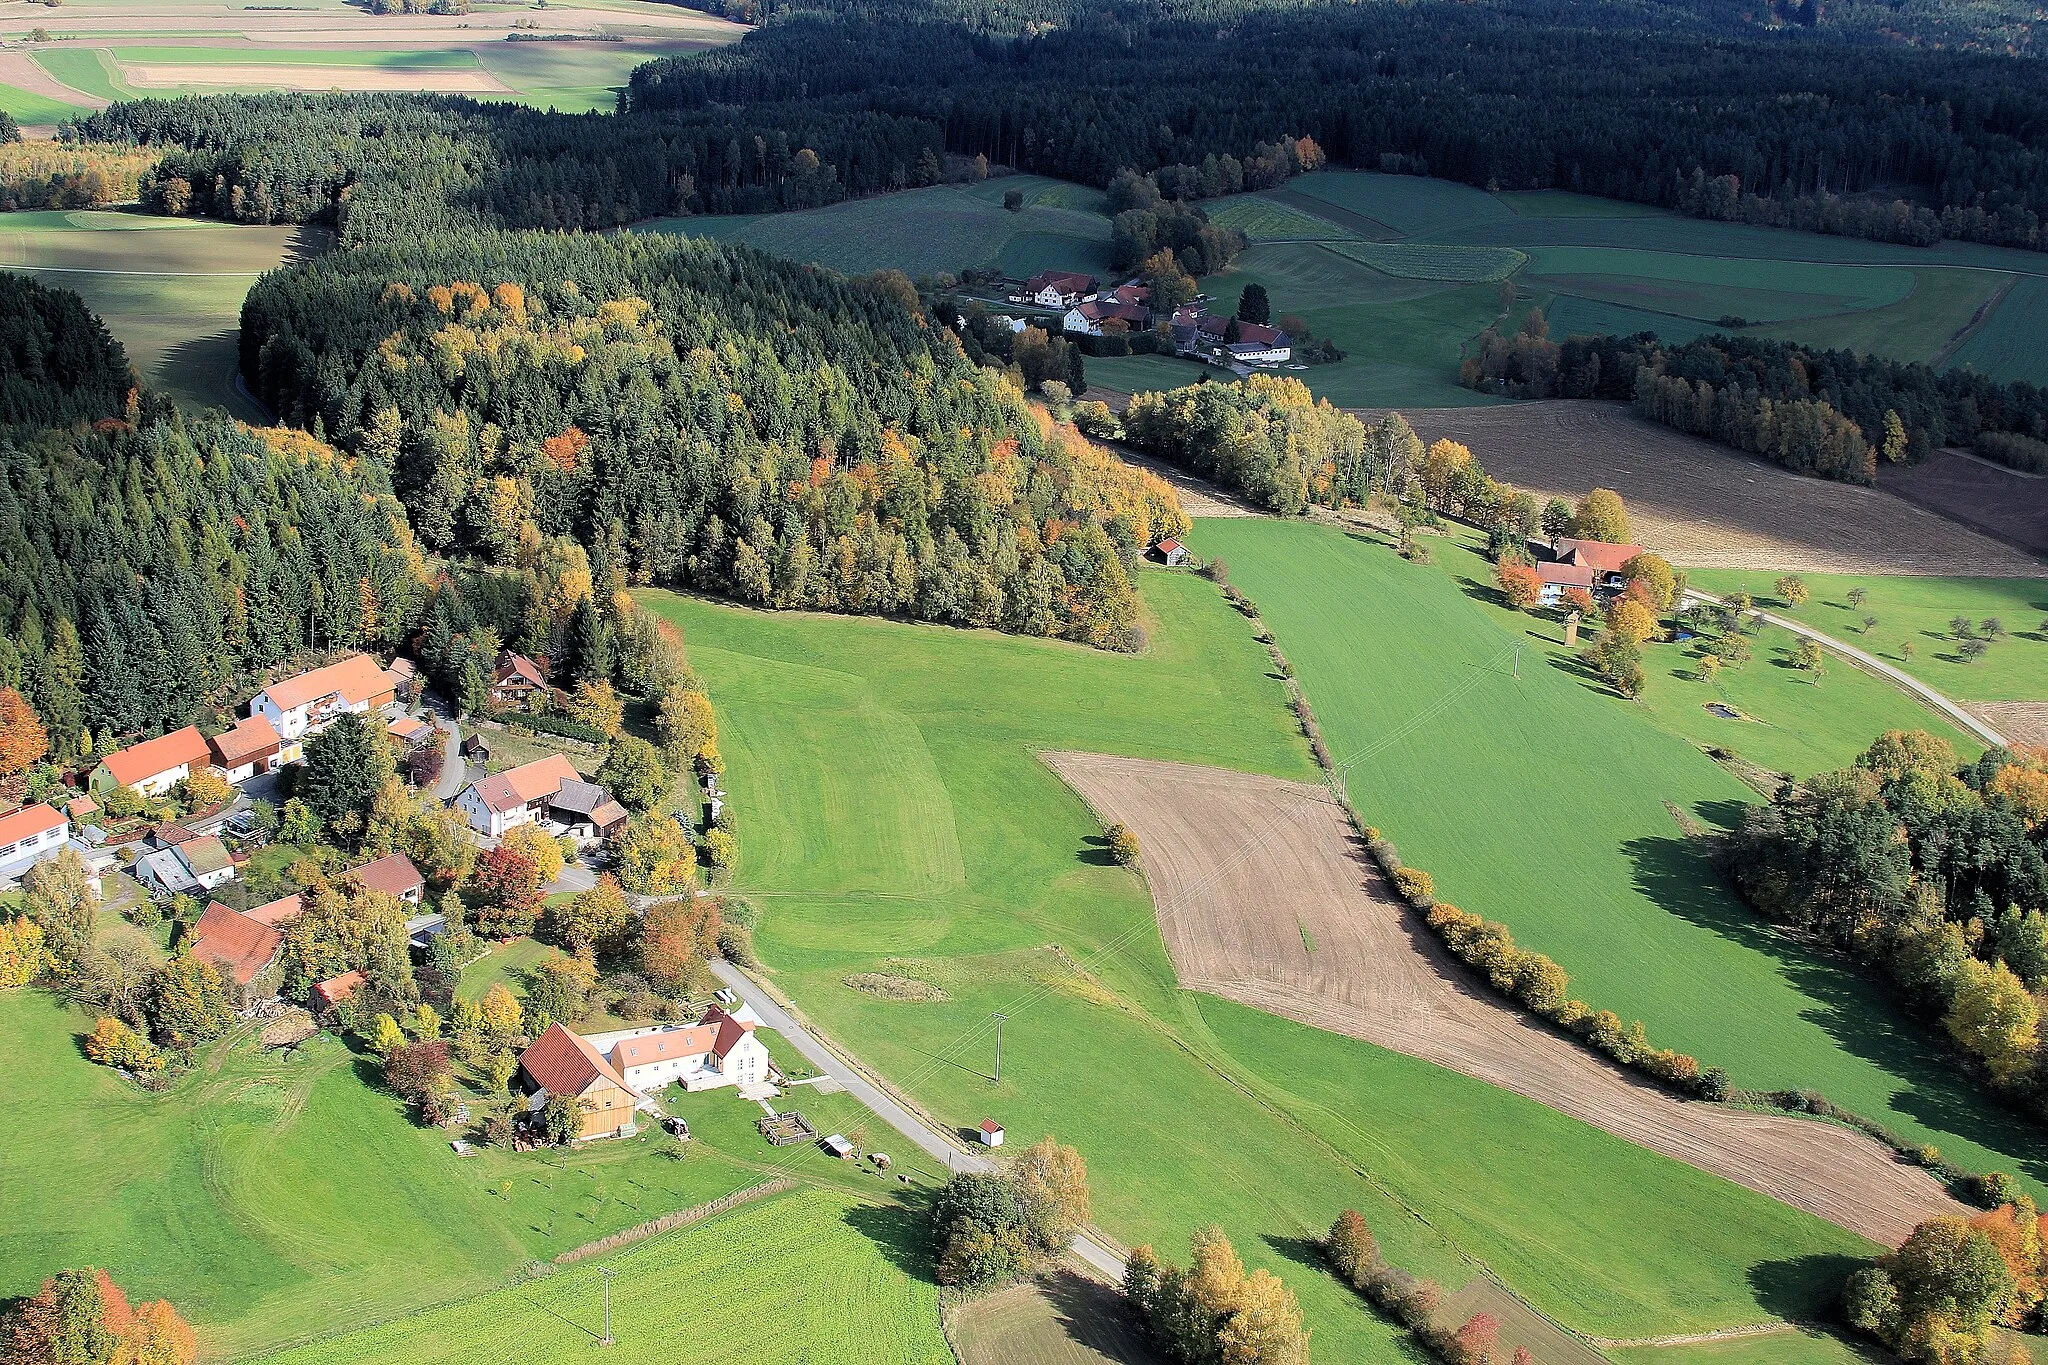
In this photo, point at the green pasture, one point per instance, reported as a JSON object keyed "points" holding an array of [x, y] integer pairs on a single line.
{"points": [[1667, 278], [1146, 373], [899, 821], [1918, 327], [946, 228], [1541, 800], [1421, 261], [1565, 204], [30, 108], [170, 289], [276, 1198], [1569, 315], [800, 1278], [1918, 611], [386, 59], [1262, 218], [2009, 345], [1411, 206]]}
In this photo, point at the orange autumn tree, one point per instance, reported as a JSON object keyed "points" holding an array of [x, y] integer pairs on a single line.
{"points": [[82, 1317], [22, 737], [1519, 583], [2016, 1230]]}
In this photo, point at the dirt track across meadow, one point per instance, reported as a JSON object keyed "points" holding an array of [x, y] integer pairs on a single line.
{"points": [[1247, 871], [1706, 506]]}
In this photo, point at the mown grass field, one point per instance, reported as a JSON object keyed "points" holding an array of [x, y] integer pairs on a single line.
{"points": [[791, 1280], [1806, 1346], [1542, 801], [2008, 344], [280, 1198], [170, 289], [1918, 611], [29, 107], [898, 821]]}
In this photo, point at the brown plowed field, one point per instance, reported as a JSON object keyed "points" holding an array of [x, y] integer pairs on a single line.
{"points": [[1707, 506], [1976, 492], [2022, 722], [1242, 868]]}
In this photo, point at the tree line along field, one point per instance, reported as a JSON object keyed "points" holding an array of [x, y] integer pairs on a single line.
{"points": [[1541, 801], [903, 823], [105, 50], [169, 289]]}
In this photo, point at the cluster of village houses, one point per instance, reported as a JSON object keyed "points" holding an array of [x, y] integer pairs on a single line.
{"points": [[1197, 333], [615, 1074]]}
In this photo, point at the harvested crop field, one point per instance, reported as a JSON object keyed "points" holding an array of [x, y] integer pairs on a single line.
{"points": [[1706, 506], [1993, 499], [2022, 722], [1062, 1319], [1264, 896], [290, 76]]}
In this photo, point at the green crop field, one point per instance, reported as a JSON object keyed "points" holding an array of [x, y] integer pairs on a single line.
{"points": [[898, 821], [274, 1198], [1918, 611], [1421, 261], [2008, 345], [787, 1281], [28, 107], [170, 289], [1139, 373], [90, 69], [1265, 219], [1541, 801]]}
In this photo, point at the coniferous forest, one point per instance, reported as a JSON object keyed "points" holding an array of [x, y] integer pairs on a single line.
{"points": [[1799, 129]]}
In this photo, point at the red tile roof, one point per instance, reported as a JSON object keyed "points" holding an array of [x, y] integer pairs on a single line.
{"points": [[24, 823], [716, 1033], [278, 912], [250, 740], [140, 762], [357, 678], [240, 945], [564, 1063], [336, 989], [1596, 554], [517, 668], [1169, 545], [1566, 575], [528, 782], [991, 1126], [1066, 281], [393, 874]]}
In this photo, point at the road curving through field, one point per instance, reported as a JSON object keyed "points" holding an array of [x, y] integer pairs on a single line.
{"points": [[1247, 872]]}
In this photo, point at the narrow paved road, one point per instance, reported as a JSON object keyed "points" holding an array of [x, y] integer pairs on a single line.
{"points": [[1090, 1246], [1876, 665], [454, 771]]}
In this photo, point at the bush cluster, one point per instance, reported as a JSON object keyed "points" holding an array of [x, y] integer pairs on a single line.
{"points": [[1355, 1255]]}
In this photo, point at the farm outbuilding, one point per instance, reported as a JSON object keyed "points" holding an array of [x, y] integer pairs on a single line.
{"points": [[991, 1133], [1171, 551]]}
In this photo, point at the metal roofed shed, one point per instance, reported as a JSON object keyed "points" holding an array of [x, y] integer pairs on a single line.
{"points": [[838, 1146]]}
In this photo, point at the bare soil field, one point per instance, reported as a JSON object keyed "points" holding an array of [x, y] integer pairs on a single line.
{"points": [[1264, 896], [1198, 497], [1707, 506], [1998, 501], [161, 76], [19, 69], [1062, 1319], [2022, 722]]}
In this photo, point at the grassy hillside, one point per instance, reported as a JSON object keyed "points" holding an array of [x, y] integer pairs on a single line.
{"points": [[788, 1281], [275, 1198], [895, 819], [1542, 801]]}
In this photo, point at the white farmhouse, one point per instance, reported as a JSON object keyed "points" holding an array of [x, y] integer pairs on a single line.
{"points": [[719, 1049], [306, 703], [514, 797], [29, 836]]}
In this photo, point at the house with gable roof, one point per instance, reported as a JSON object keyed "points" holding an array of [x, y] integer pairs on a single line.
{"points": [[152, 767], [306, 703], [719, 1049], [562, 1063]]}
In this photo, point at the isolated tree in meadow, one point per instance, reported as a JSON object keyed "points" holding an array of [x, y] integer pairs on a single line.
{"points": [[188, 1004], [1809, 658], [1123, 844], [499, 1013], [22, 738], [1991, 628], [1253, 305], [1791, 590], [1709, 668], [1601, 515], [1962, 628], [1972, 650], [1857, 597], [1869, 624], [1013, 200], [1618, 660], [1520, 584]]}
